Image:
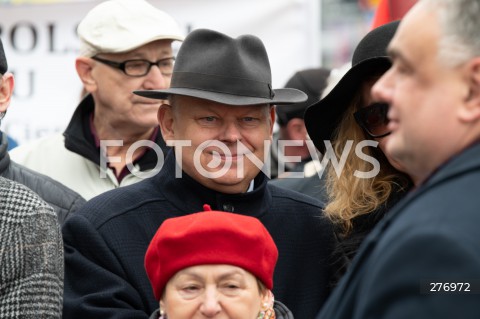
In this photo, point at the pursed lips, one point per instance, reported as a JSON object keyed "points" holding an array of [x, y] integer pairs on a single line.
{"points": [[392, 121]]}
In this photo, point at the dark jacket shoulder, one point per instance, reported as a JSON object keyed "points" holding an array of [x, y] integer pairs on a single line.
{"points": [[280, 192], [116, 202], [62, 199]]}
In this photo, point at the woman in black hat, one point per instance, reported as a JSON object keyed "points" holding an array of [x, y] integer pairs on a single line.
{"points": [[348, 113]]}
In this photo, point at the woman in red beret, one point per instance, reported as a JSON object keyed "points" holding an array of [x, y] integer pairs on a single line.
{"points": [[213, 264]]}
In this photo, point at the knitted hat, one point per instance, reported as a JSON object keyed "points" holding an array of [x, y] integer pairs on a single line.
{"points": [[123, 25], [210, 237]]}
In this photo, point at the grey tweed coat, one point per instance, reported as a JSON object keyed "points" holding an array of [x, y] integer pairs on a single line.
{"points": [[31, 255]]}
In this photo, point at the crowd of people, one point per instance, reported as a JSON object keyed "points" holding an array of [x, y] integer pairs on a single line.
{"points": [[369, 208]]}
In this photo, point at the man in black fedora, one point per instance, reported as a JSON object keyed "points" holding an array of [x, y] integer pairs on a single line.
{"points": [[219, 117]]}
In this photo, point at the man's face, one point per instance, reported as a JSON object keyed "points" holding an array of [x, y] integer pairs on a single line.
{"points": [[423, 94], [231, 134], [114, 99]]}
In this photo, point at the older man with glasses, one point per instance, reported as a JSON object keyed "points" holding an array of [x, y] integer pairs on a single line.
{"points": [[113, 138]]}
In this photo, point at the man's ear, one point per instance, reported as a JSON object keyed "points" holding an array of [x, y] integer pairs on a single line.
{"points": [[84, 68], [470, 110], [272, 119], [166, 122], [6, 90]]}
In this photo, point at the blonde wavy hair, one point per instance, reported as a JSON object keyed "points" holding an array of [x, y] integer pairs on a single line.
{"points": [[350, 196]]}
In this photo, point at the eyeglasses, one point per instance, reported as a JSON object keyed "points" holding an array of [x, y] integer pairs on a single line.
{"points": [[140, 67], [373, 119]]}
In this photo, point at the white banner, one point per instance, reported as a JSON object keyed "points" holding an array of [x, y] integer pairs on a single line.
{"points": [[41, 46]]}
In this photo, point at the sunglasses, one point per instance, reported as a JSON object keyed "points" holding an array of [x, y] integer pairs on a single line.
{"points": [[373, 119]]}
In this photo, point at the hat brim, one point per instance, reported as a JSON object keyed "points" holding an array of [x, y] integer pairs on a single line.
{"points": [[282, 96], [324, 116]]}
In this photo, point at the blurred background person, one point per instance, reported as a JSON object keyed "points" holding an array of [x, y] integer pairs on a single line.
{"points": [[61, 198], [290, 119], [125, 46], [198, 267], [349, 113], [291, 123]]}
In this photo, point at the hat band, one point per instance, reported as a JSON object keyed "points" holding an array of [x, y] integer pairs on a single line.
{"points": [[222, 84]]}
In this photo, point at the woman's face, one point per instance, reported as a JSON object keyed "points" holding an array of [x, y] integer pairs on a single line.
{"points": [[382, 141], [213, 291]]}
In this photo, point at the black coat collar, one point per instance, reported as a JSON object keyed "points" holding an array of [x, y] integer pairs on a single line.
{"points": [[79, 138], [193, 195], [468, 160]]}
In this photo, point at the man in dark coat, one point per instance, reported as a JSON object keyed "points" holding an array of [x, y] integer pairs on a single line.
{"points": [[423, 259], [219, 117]]}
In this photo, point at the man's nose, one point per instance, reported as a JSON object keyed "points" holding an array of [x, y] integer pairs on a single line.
{"points": [[382, 90], [155, 80], [231, 133]]}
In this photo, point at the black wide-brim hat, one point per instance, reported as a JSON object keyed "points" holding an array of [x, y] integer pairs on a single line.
{"points": [[213, 66], [370, 56]]}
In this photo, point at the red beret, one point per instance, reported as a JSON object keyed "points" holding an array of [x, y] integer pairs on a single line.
{"points": [[210, 237]]}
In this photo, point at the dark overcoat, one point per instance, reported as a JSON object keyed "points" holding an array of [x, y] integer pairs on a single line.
{"points": [[106, 241], [430, 239]]}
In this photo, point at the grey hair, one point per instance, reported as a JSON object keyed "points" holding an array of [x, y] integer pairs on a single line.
{"points": [[459, 22]]}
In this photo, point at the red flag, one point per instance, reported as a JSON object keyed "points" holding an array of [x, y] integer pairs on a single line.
{"points": [[391, 10]]}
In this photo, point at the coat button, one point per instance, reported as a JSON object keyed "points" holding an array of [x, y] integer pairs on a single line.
{"points": [[228, 208]]}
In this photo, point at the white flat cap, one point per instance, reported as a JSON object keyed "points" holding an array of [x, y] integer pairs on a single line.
{"points": [[123, 25]]}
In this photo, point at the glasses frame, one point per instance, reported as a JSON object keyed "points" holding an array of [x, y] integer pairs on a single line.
{"points": [[122, 65], [360, 119]]}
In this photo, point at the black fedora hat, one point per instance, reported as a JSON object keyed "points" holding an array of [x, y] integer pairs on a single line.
{"points": [[213, 66], [323, 117]]}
